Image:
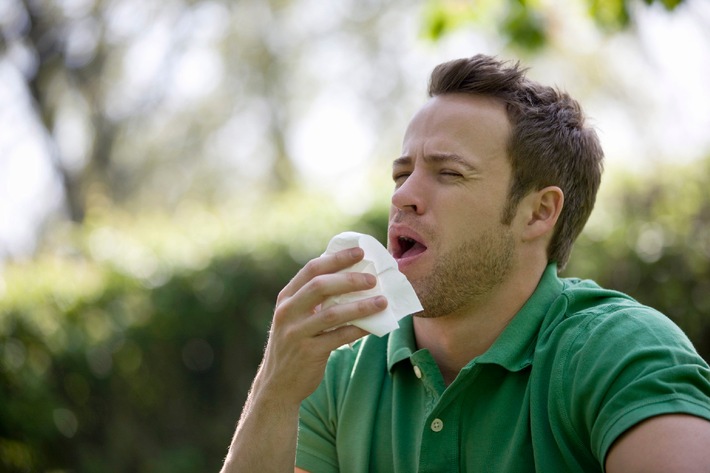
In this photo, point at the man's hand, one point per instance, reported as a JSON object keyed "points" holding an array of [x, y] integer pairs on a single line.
{"points": [[300, 341], [303, 335]]}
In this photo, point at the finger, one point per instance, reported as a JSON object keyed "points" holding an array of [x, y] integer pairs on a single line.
{"points": [[319, 266], [320, 288], [303, 304], [342, 336], [341, 314]]}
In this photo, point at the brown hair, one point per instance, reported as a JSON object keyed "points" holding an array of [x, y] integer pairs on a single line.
{"points": [[549, 143]]}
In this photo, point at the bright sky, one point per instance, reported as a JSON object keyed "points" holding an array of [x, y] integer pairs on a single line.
{"points": [[28, 189], [662, 108]]}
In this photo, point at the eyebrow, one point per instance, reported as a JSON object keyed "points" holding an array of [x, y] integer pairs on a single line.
{"points": [[436, 158]]}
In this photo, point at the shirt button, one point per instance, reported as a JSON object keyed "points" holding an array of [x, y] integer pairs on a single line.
{"points": [[437, 425], [417, 372]]}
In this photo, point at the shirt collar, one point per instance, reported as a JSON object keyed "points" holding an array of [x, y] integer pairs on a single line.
{"points": [[401, 343], [514, 348]]}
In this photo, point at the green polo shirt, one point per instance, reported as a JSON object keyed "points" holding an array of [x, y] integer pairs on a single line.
{"points": [[575, 368]]}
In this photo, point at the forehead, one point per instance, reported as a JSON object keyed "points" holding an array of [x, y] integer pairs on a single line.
{"points": [[467, 125]]}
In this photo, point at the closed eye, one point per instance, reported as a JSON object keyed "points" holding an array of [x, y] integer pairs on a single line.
{"points": [[400, 177], [450, 173]]}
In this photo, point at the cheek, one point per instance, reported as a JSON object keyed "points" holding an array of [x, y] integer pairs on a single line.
{"points": [[466, 222]]}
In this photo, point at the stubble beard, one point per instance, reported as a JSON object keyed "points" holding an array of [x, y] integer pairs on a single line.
{"points": [[466, 273]]}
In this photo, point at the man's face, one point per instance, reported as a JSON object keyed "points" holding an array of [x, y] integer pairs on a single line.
{"points": [[451, 186]]}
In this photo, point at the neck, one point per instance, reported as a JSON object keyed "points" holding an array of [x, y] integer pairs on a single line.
{"points": [[457, 338]]}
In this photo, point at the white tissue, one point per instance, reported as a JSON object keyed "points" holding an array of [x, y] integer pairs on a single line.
{"points": [[401, 298]]}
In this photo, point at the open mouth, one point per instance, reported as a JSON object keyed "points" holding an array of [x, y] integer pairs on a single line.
{"points": [[406, 247]]}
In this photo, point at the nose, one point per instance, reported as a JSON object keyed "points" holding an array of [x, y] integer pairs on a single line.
{"points": [[410, 195]]}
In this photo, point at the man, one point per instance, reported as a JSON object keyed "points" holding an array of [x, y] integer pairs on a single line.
{"points": [[508, 368]]}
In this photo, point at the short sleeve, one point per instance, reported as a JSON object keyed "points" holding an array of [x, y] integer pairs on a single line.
{"points": [[624, 366], [316, 440], [318, 418]]}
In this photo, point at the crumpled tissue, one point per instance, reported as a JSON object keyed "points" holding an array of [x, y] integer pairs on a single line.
{"points": [[391, 283]]}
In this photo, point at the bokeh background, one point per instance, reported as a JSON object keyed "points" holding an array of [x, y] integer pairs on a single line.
{"points": [[167, 165]]}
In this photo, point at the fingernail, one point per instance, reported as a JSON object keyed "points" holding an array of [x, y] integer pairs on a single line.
{"points": [[380, 302], [355, 252]]}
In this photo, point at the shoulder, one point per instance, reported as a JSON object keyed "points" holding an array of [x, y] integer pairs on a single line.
{"points": [[615, 362], [348, 358], [589, 315], [346, 365], [602, 331]]}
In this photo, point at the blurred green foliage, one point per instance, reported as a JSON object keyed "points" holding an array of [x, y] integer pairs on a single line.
{"points": [[107, 364], [613, 15], [526, 25], [110, 365]]}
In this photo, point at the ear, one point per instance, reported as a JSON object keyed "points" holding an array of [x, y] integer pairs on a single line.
{"points": [[543, 210]]}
